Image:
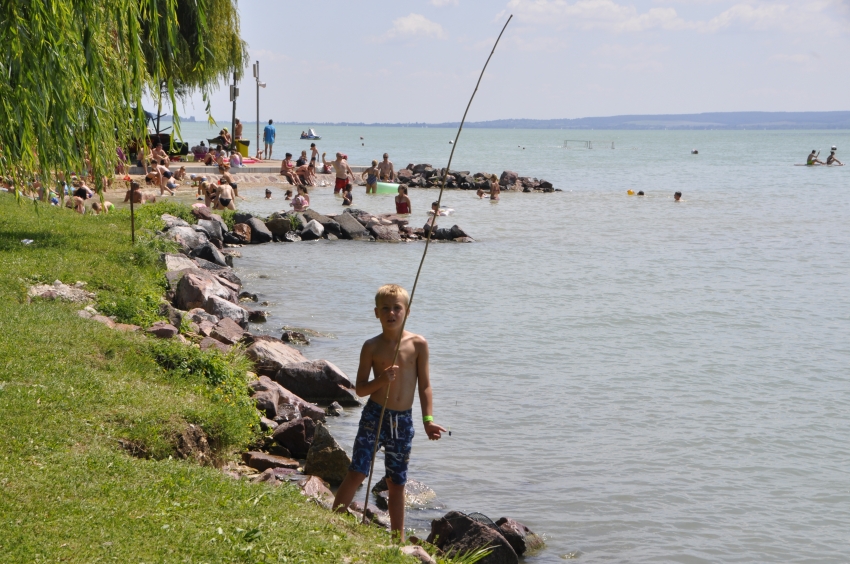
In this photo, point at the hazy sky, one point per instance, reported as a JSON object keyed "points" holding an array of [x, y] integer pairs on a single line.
{"points": [[408, 61]]}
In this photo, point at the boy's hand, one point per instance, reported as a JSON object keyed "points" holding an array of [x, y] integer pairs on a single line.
{"points": [[434, 431], [391, 373]]}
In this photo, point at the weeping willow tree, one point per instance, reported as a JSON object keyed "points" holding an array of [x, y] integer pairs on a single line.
{"points": [[73, 74]]}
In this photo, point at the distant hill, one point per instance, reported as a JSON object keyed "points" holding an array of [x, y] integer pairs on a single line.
{"points": [[713, 120]]}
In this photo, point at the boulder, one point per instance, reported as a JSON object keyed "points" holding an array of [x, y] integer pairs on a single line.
{"points": [[174, 315], [312, 231], [186, 237], [508, 178], [329, 225], [416, 494], [259, 231], [224, 273], [212, 228], [162, 329], [295, 337], [127, 328], [385, 232], [296, 436], [456, 533], [317, 381], [420, 168], [314, 487], [222, 308], [177, 262], [198, 315], [172, 221], [105, 320], [248, 297], [233, 238], [334, 410], [220, 220], [279, 226], [202, 213], [520, 537], [350, 228], [208, 343], [267, 424], [196, 286], [291, 237], [404, 176], [227, 331], [262, 461], [242, 231], [210, 253], [326, 459], [270, 355], [241, 217], [275, 400], [257, 315]]}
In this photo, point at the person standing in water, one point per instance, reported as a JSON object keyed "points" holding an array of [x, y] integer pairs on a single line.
{"points": [[371, 176], [495, 190], [402, 202], [342, 170], [386, 170]]}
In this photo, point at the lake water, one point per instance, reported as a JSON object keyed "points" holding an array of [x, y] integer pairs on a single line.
{"points": [[639, 380]]}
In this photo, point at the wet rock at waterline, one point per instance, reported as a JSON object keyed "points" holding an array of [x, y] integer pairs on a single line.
{"points": [[456, 533], [416, 495], [259, 232], [317, 381], [520, 537], [270, 354], [295, 337]]}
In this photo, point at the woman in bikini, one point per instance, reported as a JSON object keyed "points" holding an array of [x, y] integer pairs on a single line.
{"points": [[371, 176], [402, 202]]}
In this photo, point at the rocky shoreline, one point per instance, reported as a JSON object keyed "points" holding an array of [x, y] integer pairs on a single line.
{"points": [[207, 307], [423, 175]]}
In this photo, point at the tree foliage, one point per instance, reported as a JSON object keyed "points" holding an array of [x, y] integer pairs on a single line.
{"points": [[74, 73]]}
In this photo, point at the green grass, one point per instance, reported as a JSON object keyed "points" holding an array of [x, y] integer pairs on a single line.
{"points": [[71, 389]]}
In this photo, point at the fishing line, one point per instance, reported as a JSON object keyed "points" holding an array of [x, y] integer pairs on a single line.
{"points": [[422, 262]]}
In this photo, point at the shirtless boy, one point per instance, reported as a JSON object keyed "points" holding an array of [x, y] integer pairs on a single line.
{"points": [[343, 171], [226, 177], [395, 384], [387, 173]]}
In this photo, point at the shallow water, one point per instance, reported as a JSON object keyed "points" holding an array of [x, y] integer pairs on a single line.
{"points": [[637, 379]]}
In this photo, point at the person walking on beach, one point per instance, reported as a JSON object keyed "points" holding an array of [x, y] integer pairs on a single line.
{"points": [[392, 387], [342, 170], [268, 139], [387, 172], [371, 176]]}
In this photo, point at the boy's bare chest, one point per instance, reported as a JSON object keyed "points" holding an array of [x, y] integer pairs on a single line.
{"points": [[383, 358]]}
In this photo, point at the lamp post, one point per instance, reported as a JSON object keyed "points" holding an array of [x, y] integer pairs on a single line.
{"points": [[234, 93], [259, 85]]}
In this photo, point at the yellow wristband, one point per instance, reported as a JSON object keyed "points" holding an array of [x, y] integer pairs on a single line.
{"points": [[428, 419]]}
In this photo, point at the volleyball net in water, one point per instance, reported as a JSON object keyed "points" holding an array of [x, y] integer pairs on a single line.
{"points": [[582, 144]]}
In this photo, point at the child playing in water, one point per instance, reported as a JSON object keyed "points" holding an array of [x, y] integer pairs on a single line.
{"points": [[347, 196], [393, 386]]}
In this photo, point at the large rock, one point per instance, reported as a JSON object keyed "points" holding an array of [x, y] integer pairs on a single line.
{"points": [[198, 315], [326, 459], [171, 313], [314, 487], [259, 231], [210, 253], [404, 176], [420, 168], [271, 398], [172, 221], [262, 461], [208, 343], [329, 225], [312, 231], [279, 226], [196, 287], [350, 228], [241, 217], [385, 232], [177, 262], [212, 228], [317, 381], [456, 533], [270, 355], [296, 436], [520, 537], [227, 331], [508, 178], [222, 308], [163, 330], [202, 212], [186, 237], [242, 231], [220, 220]]}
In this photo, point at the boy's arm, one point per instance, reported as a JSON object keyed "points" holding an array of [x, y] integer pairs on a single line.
{"points": [[423, 375], [363, 387]]}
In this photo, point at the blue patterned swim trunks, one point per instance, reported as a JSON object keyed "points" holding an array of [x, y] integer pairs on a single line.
{"points": [[396, 438]]}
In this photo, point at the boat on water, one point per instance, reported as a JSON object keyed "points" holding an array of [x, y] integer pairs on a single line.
{"points": [[310, 134]]}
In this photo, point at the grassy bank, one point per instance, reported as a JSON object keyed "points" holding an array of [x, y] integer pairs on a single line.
{"points": [[73, 391]]}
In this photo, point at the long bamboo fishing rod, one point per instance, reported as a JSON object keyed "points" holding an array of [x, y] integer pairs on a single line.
{"points": [[422, 262]]}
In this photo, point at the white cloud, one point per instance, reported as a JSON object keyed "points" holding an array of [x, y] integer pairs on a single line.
{"points": [[440, 3], [608, 15], [415, 25]]}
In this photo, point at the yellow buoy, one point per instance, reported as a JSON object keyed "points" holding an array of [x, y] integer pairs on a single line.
{"points": [[631, 192]]}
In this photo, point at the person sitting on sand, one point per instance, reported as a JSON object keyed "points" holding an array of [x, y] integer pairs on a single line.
{"points": [[302, 160], [287, 169], [99, 208], [225, 197], [288, 195], [158, 155], [371, 177], [385, 169], [831, 160], [813, 159], [226, 177], [303, 173], [677, 197], [402, 202], [495, 189], [342, 170]]}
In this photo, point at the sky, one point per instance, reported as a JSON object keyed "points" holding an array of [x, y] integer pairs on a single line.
{"points": [[418, 60]]}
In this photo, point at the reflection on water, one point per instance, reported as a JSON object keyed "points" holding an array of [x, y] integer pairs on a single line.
{"points": [[638, 379]]}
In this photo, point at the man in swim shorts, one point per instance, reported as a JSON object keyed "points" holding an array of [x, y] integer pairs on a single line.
{"points": [[342, 170], [813, 159], [393, 386]]}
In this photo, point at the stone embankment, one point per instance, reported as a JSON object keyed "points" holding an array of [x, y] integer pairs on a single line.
{"points": [[206, 307], [425, 176]]}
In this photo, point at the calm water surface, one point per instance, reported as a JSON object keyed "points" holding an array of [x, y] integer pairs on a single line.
{"points": [[637, 379]]}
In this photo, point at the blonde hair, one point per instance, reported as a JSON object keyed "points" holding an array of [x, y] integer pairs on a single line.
{"points": [[494, 178], [391, 291], [374, 163]]}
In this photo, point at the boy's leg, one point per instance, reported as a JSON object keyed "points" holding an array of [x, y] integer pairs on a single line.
{"points": [[346, 491], [396, 509]]}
